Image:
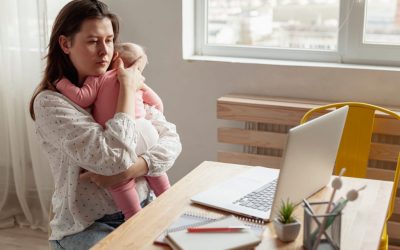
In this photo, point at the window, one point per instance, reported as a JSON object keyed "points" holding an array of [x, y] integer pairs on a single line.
{"points": [[341, 31]]}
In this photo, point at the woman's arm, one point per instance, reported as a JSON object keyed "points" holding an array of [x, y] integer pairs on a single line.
{"points": [[163, 154], [130, 80], [139, 168], [155, 161], [73, 131]]}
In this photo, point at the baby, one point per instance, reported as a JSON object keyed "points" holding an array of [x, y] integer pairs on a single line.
{"points": [[102, 92]]}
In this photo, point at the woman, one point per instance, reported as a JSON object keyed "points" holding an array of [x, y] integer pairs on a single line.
{"points": [[81, 45]]}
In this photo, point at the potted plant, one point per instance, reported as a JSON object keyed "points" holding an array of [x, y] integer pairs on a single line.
{"points": [[287, 227]]}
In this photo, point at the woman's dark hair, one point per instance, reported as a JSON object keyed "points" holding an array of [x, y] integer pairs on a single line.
{"points": [[68, 23]]}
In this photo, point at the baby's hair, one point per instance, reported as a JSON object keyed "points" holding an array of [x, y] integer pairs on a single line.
{"points": [[127, 45], [130, 51]]}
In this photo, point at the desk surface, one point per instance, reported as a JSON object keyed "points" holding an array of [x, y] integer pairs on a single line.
{"points": [[362, 220]]}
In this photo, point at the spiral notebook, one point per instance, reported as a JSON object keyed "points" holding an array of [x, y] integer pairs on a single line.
{"points": [[242, 239], [194, 219]]}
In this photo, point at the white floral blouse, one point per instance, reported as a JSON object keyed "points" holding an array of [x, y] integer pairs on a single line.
{"points": [[71, 139]]}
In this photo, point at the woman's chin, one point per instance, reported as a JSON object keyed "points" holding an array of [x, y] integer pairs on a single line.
{"points": [[99, 71]]}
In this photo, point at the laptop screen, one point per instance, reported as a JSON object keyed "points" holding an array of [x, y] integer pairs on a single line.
{"points": [[309, 157]]}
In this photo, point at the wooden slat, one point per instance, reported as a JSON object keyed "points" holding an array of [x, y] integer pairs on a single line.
{"points": [[387, 175], [285, 102], [386, 125], [393, 230], [380, 174], [249, 159], [252, 137], [394, 247], [273, 115], [265, 101], [384, 152]]}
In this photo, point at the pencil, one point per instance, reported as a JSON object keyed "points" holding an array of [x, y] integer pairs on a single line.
{"points": [[231, 229]]}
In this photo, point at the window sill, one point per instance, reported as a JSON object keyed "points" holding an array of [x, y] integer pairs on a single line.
{"points": [[290, 63]]}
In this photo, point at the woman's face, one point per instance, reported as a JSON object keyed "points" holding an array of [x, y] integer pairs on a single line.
{"points": [[92, 48]]}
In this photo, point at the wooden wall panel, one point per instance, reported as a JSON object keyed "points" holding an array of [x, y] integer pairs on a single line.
{"points": [[249, 159], [251, 137]]}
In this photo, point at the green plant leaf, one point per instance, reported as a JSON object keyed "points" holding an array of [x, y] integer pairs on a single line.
{"points": [[285, 214]]}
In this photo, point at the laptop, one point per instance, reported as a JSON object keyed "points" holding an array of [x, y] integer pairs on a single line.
{"points": [[307, 166]]}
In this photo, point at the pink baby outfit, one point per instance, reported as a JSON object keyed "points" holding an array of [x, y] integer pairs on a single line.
{"points": [[102, 92]]}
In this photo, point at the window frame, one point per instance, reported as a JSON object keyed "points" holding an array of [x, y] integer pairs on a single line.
{"points": [[350, 50]]}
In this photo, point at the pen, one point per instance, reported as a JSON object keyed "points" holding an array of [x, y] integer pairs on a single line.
{"points": [[230, 229], [308, 206]]}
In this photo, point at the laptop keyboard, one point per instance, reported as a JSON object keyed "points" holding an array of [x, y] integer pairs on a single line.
{"points": [[260, 199]]}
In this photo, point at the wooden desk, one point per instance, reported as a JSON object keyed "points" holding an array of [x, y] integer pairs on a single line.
{"points": [[362, 220]]}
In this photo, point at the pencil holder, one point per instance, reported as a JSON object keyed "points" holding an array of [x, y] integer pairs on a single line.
{"points": [[313, 220]]}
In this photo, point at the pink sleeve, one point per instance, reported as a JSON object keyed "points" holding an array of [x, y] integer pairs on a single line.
{"points": [[150, 97], [84, 96]]}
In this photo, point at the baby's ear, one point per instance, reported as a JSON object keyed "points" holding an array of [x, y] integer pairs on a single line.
{"points": [[142, 62], [115, 56], [118, 63]]}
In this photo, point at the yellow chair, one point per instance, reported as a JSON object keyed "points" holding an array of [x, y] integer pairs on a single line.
{"points": [[354, 149]]}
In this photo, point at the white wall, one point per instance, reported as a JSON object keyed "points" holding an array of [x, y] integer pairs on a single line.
{"points": [[190, 89]]}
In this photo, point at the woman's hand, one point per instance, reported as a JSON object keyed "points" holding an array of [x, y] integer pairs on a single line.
{"points": [[130, 77], [130, 80], [102, 180], [139, 168]]}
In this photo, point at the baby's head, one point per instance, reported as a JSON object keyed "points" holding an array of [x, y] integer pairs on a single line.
{"points": [[129, 53]]}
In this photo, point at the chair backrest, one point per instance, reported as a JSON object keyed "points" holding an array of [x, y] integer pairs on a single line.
{"points": [[357, 148]]}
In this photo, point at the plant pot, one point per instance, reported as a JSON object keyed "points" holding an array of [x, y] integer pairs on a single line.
{"points": [[286, 232]]}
